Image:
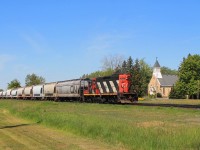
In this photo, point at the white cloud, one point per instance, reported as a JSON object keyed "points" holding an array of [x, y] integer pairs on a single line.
{"points": [[35, 40], [104, 43], [101, 45]]}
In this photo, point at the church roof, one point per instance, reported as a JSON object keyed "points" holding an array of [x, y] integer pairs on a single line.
{"points": [[156, 65], [168, 80]]}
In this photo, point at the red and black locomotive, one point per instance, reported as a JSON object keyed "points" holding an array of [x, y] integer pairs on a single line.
{"points": [[115, 88]]}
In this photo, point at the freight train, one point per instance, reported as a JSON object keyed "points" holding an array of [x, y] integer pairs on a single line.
{"points": [[107, 89]]}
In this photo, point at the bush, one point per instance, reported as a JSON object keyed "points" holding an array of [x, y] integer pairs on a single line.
{"points": [[176, 95], [159, 95]]}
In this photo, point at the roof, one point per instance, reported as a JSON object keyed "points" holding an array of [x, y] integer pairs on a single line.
{"points": [[168, 80], [156, 65]]}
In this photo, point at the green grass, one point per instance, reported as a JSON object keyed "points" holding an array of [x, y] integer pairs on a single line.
{"points": [[132, 127]]}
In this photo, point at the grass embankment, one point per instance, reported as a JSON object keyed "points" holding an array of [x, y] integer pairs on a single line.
{"points": [[131, 127], [21, 134]]}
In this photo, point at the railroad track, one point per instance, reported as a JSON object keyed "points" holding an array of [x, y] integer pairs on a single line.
{"points": [[126, 102], [164, 105]]}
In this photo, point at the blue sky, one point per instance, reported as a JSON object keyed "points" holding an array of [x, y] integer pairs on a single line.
{"points": [[65, 39]]}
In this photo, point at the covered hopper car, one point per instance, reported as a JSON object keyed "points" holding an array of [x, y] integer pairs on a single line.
{"points": [[38, 92]]}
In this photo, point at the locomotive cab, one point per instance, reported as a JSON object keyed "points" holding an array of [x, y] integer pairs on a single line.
{"points": [[125, 87], [124, 83]]}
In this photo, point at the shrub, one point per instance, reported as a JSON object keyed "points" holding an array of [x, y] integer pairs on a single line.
{"points": [[159, 95]]}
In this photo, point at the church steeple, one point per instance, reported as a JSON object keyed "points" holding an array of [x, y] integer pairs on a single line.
{"points": [[156, 64], [156, 69]]}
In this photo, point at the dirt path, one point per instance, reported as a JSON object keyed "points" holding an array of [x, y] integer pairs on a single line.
{"points": [[19, 134]]}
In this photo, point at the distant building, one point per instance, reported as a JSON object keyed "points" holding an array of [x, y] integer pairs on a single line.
{"points": [[161, 83]]}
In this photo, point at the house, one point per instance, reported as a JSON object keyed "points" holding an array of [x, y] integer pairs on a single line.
{"points": [[161, 83]]}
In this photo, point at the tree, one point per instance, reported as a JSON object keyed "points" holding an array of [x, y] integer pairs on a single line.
{"points": [[135, 73], [95, 74], [190, 69], [33, 79], [1, 90], [124, 67], [112, 62], [189, 77], [14, 84], [129, 65], [168, 71], [178, 91], [145, 73], [140, 75]]}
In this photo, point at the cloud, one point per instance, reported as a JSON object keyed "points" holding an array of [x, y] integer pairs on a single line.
{"points": [[101, 45], [4, 59], [104, 43], [35, 40]]}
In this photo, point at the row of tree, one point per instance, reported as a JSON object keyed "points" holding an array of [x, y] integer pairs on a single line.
{"points": [[31, 79], [140, 71], [189, 78]]}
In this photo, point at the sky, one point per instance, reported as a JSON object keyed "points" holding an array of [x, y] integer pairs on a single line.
{"points": [[64, 39]]}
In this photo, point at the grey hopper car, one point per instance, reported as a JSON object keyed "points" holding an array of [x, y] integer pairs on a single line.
{"points": [[70, 89]]}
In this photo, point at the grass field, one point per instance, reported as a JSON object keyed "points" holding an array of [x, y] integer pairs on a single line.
{"points": [[20, 134], [125, 126]]}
